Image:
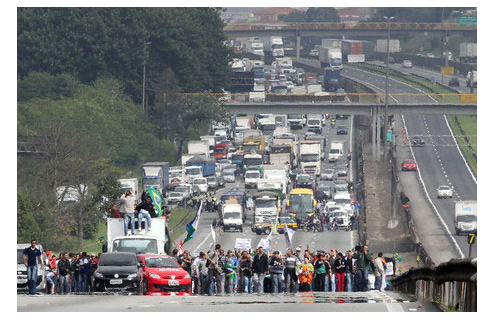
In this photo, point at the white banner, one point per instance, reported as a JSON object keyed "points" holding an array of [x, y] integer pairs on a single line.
{"points": [[243, 244], [264, 243], [213, 232], [389, 270]]}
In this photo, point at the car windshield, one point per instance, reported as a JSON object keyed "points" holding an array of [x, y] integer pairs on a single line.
{"points": [[342, 127], [303, 178], [224, 162], [324, 188], [182, 189], [294, 116], [135, 245], [314, 122], [232, 215], [220, 150], [342, 201], [408, 161], [341, 188], [444, 188], [252, 175], [309, 158], [259, 203], [211, 180], [110, 259], [160, 262], [301, 203]]}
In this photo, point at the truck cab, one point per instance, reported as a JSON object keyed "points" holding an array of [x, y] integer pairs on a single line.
{"points": [[193, 172], [314, 123], [266, 206], [296, 121], [251, 177], [336, 150], [465, 217], [155, 241], [252, 162], [310, 157], [221, 150], [155, 175]]}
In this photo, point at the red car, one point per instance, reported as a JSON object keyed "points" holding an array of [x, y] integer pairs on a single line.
{"points": [[162, 275], [409, 164]]}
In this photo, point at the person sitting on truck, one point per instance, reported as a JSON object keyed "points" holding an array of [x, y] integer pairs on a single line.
{"points": [[146, 210], [114, 212], [128, 205]]}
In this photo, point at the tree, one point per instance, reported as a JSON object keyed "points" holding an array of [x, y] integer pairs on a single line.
{"points": [[326, 14], [27, 228]]}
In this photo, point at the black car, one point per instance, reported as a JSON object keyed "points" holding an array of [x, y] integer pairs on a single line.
{"points": [[454, 81], [342, 130], [391, 60], [327, 191], [341, 117], [117, 271], [417, 141], [305, 181]]}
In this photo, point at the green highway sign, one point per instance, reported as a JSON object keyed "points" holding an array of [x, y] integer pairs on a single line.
{"points": [[466, 19]]}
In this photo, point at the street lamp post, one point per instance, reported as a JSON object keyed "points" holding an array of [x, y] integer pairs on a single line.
{"points": [[386, 91], [144, 68]]}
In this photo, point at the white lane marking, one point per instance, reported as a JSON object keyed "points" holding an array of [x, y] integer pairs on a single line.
{"points": [[428, 196], [394, 307], [206, 237]]}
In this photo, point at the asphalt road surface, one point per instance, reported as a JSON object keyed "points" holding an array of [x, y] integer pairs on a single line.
{"points": [[340, 239], [373, 301]]}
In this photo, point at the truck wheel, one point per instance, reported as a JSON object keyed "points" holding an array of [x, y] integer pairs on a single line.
{"points": [[267, 231], [241, 228], [458, 232]]}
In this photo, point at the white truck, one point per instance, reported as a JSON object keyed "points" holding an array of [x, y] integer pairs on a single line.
{"points": [[199, 147], [336, 150], [266, 206], [465, 216], [192, 172], [284, 65], [267, 125], [257, 97], [314, 123], [381, 46], [330, 57], [255, 46], [467, 52], [149, 242], [211, 140], [232, 216], [310, 157], [251, 177], [280, 120], [185, 158], [296, 121], [273, 46], [278, 173]]}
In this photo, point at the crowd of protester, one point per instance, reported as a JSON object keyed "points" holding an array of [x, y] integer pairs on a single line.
{"points": [[218, 272]]}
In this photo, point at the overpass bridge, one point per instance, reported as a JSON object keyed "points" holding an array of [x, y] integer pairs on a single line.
{"points": [[349, 108], [328, 29]]}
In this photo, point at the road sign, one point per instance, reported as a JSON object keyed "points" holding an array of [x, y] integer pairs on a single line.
{"points": [[471, 238], [447, 70], [468, 98], [466, 19]]}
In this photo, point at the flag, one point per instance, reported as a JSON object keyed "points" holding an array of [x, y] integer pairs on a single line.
{"points": [[192, 226], [288, 236], [156, 199], [180, 248], [101, 240], [213, 233]]}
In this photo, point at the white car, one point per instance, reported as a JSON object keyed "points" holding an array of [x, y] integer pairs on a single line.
{"points": [[314, 52], [444, 191], [175, 197], [251, 178], [407, 64]]}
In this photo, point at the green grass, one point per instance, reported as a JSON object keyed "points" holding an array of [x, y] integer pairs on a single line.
{"points": [[468, 125], [176, 225]]}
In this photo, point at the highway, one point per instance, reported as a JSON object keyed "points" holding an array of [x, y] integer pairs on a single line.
{"points": [[340, 240], [439, 162]]}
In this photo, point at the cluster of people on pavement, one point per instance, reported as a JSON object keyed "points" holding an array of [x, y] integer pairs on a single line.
{"points": [[218, 272], [68, 273]]}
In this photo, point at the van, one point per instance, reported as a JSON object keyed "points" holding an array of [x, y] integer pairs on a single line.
{"points": [[314, 123], [336, 151]]}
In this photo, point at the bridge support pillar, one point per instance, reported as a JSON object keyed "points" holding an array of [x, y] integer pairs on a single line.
{"points": [[378, 133], [298, 49], [373, 131]]}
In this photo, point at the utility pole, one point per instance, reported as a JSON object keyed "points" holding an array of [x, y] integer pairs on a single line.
{"points": [[144, 68], [385, 123]]}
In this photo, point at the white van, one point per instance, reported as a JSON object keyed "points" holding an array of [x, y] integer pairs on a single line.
{"points": [[201, 184], [336, 150]]}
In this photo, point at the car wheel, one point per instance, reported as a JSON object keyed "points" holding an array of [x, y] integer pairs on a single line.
{"points": [[267, 231], [144, 287]]}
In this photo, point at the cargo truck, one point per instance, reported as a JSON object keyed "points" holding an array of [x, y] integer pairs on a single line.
{"points": [[465, 216], [331, 80], [266, 206], [310, 157], [255, 47], [232, 215], [330, 57], [211, 140], [381, 46], [273, 47], [467, 52], [176, 175], [314, 123], [208, 165], [199, 147], [156, 175]]}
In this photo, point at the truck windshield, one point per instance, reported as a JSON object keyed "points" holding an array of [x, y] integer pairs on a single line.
{"points": [[252, 175], [342, 201], [176, 174], [309, 158], [294, 116], [314, 122], [466, 218], [249, 147], [334, 151], [281, 150], [200, 181], [147, 182], [253, 161], [268, 127], [193, 171], [232, 215], [135, 245], [220, 150], [301, 203], [260, 203], [182, 189]]}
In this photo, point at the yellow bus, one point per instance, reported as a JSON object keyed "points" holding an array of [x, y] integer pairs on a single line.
{"points": [[301, 205]]}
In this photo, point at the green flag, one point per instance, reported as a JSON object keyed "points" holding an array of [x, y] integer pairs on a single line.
{"points": [[156, 199]]}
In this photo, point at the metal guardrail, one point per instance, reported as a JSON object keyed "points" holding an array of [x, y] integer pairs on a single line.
{"points": [[452, 284], [407, 26]]}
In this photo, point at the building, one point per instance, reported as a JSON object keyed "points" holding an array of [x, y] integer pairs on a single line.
{"points": [[275, 14]]}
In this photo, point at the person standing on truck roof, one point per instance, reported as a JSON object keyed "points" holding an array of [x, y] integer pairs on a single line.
{"points": [[128, 203], [146, 210], [29, 256]]}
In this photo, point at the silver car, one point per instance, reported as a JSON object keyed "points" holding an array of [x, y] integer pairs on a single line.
{"points": [[228, 175], [327, 175], [444, 191]]}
